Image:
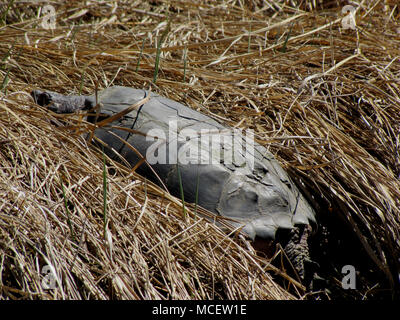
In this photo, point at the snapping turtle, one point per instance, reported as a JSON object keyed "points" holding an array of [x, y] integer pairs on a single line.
{"points": [[187, 149]]}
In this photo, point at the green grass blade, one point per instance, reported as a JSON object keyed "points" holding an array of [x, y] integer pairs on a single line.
{"points": [[284, 47], [82, 80], [6, 78], [105, 218], [4, 15], [158, 52], [184, 63], [196, 201], [140, 55], [5, 82], [249, 40], [67, 211], [181, 188], [157, 62]]}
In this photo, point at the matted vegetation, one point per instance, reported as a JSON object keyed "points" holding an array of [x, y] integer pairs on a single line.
{"points": [[324, 99]]}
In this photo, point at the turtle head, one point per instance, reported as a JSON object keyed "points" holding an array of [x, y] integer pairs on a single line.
{"points": [[60, 103], [42, 98]]}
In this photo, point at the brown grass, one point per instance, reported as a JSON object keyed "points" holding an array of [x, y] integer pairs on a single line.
{"points": [[324, 99]]}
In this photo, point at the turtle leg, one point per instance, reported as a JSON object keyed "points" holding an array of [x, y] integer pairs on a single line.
{"points": [[297, 248], [58, 102]]}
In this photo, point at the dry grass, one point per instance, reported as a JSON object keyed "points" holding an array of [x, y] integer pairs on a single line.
{"points": [[150, 250], [324, 99]]}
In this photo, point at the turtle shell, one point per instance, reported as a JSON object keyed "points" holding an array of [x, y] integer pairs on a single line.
{"points": [[223, 169]]}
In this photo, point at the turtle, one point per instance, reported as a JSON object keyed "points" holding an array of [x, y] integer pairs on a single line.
{"points": [[220, 168]]}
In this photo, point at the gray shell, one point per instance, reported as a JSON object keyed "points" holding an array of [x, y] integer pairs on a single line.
{"points": [[250, 187]]}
